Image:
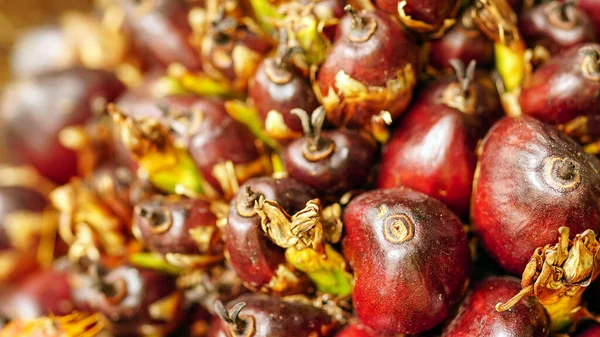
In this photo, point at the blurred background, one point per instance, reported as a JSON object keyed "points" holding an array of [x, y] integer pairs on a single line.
{"points": [[18, 15]]}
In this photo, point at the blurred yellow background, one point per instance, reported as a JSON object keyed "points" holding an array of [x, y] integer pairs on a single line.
{"points": [[17, 15]]}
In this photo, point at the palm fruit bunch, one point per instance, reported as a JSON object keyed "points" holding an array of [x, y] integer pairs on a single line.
{"points": [[306, 168]]}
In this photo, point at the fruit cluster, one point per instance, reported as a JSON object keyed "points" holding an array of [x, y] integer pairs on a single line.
{"points": [[305, 168]]}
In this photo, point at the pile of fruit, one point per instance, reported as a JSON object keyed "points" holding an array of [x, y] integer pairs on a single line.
{"points": [[304, 168]]}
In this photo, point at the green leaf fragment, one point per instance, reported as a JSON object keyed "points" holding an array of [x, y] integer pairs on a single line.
{"points": [[328, 274]]}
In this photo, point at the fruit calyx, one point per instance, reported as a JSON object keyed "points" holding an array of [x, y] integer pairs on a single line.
{"points": [[159, 220], [362, 27], [278, 68], [301, 230], [561, 174], [315, 147], [238, 326], [498, 22], [557, 275], [563, 15], [245, 201], [591, 62], [461, 94]]}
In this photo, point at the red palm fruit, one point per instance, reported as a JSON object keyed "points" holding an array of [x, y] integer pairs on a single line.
{"points": [[16, 202], [253, 256], [531, 179], [366, 71], [424, 16], [232, 50], [136, 301], [433, 148], [410, 257], [464, 42], [42, 293], [592, 8], [277, 88], [161, 32], [575, 106], [224, 151], [45, 105], [357, 330], [260, 315], [332, 162], [556, 26], [177, 228], [477, 316]]}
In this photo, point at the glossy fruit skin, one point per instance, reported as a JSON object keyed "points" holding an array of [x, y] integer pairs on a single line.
{"points": [[162, 33], [464, 42], [185, 215], [144, 287], [592, 8], [269, 95], [17, 199], [276, 317], [433, 12], [540, 25], [46, 104], [357, 330], [519, 201], [215, 138], [477, 316], [251, 253], [41, 293], [433, 148], [409, 250], [545, 97], [341, 171], [385, 57]]}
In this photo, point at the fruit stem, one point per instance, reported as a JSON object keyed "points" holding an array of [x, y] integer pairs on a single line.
{"points": [[501, 307], [278, 70], [465, 77], [358, 22], [222, 26], [316, 147], [231, 317]]}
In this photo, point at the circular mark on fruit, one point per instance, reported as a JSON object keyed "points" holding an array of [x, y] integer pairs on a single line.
{"points": [[562, 174], [398, 228]]}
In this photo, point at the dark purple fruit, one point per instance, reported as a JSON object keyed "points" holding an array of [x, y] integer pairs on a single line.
{"points": [[277, 88], [260, 315], [592, 8], [136, 301], [333, 162], [178, 227], [161, 32], [464, 42], [591, 330], [410, 257], [44, 292], [531, 179], [254, 257], [224, 151], [353, 93], [576, 106], [477, 316], [43, 106], [433, 148], [556, 26], [232, 50]]}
